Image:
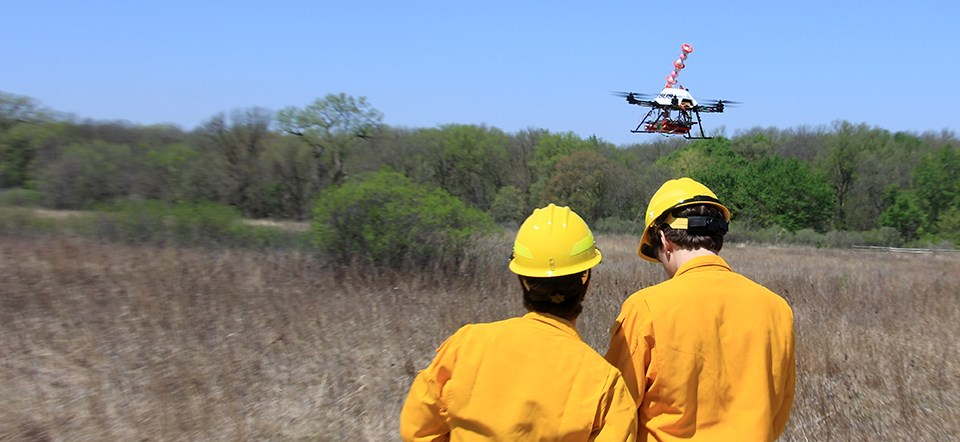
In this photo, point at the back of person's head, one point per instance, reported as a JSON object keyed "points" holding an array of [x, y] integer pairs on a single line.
{"points": [[552, 255], [690, 216], [559, 295], [709, 235]]}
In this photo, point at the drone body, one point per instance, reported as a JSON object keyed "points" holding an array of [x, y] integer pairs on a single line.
{"points": [[674, 111]]}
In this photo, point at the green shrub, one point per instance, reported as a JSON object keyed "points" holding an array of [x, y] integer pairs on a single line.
{"points": [[509, 206], [765, 235], [949, 225], [808, 237], [844, 239], [386, 218], [617, 225], [131, 221], [189, 224], [22, 221], [198, 221], [153, 222], [85, 174], [883, 237], [20, 198], [903, 213]]}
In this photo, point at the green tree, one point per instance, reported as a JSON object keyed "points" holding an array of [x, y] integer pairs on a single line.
{"points": [[936, 182], [19, 109], [168, 174], [902, 213], [754, 145], [509, 206], [803, 143], [785, 192], [292, 184], [86, 174], [521, 152], [948, 224], [19, 146], [714, 163], [22, 132], [764, 191], [235, 144], [398, 148], [840, 162], [469, 162], [581, 182], [333, 126], [553, 147], [641, 172]]}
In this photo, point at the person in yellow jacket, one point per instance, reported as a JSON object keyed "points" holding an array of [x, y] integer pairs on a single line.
{"points": [[707, 354], [529, 378]]}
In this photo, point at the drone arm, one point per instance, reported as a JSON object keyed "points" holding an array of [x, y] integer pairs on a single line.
{"points": [[632, 100], [709, 109]]}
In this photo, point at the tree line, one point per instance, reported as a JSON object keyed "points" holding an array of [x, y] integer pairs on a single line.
{"points": [[843, 177]]}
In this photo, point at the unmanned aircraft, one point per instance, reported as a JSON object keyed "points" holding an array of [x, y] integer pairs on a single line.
{"points": [[674, 111]]}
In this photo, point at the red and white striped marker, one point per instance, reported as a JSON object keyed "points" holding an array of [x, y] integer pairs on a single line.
{"points": [[678, 65]]}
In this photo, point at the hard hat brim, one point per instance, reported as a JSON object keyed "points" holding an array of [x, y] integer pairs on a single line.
{"points": [[537, 272]]}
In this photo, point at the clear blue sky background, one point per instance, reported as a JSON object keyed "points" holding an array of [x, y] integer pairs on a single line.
{"points": [[507, 64]]}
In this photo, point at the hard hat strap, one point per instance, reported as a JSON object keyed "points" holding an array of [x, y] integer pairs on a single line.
{"points": [[698, 225], [666, 214], [696, 199]]}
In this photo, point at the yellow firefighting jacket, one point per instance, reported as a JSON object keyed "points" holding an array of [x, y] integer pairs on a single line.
{"points": [[707, 355], [520, 379]]}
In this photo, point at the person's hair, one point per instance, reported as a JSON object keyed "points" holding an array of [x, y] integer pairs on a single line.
{"points": [[682, 237], [559, 296]]}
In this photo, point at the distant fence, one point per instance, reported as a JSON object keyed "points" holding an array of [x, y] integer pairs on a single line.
{"points": [[907, 249]]}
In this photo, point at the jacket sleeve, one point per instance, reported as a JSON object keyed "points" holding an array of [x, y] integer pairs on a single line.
{"points": [[424, 415], [618, 422], [631, 339]]}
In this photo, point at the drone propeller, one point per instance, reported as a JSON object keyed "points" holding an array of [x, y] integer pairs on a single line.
{"points": [[715, 105], [716, 102], [636, 98], [634, 94]]}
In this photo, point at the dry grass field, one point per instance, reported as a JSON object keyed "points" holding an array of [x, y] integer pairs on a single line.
{"points": [[113, 342]]}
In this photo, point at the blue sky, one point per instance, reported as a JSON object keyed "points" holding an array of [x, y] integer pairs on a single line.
{"points": [[506, 64]]}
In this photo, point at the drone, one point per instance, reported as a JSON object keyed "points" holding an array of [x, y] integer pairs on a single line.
{"points": [[674, 111]]}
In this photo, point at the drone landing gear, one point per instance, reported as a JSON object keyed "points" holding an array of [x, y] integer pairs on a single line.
{"points": [[664, 125]]}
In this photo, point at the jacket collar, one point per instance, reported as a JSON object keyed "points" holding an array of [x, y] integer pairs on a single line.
{"points": [[554, 321], [701, 263]]}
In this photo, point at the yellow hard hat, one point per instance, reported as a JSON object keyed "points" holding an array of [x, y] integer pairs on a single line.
{"points": [[553, 241], [673, 194]]}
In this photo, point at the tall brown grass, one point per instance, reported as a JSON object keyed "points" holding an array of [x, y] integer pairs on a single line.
{"points": [[118, 342]]}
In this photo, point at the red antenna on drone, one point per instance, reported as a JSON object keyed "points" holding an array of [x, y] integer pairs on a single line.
{"points": [[678, 65]]}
